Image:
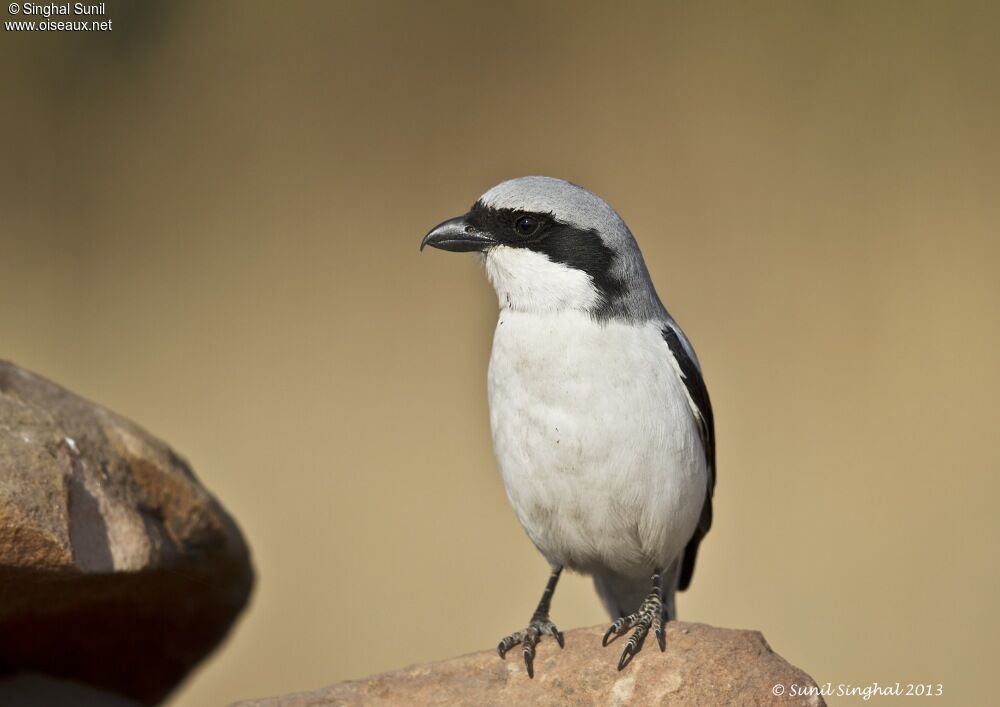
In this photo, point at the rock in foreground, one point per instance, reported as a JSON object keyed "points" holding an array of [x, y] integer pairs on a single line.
{"points": [[702, 666], [118, 570]]}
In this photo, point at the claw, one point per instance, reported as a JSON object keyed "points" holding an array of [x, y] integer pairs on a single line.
{"points": [[627, 655], [659, 632], [530, 641], [557, 634], [502, 651], [615, 629]]}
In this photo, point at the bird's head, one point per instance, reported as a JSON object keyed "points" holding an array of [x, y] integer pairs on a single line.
{"points": [[549, 245]]}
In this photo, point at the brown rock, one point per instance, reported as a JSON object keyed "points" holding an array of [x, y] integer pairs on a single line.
{"points": [[117, 568], [33, 690], [703, 665]]}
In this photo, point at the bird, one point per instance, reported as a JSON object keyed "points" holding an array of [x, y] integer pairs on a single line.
{"points": [[602, 426]]}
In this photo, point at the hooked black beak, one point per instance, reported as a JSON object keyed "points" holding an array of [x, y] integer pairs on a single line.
{"points": [[458, 236]]}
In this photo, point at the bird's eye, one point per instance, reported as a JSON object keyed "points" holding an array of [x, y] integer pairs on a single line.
{"points": [[526, 226]]}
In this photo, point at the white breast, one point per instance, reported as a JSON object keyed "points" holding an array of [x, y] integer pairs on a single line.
{"points": [[595, 440]]}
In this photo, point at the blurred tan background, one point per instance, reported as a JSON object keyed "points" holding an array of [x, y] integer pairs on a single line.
{"points": [[210, 224]]}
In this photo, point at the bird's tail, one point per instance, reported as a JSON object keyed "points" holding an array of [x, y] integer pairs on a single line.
{"points": [[622, 595]]}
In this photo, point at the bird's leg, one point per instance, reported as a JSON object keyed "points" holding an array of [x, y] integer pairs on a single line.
{"points": [[539, 624], [649, 616]]}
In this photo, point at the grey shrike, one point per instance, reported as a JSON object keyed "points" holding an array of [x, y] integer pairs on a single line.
{"points": [[601, 421]]}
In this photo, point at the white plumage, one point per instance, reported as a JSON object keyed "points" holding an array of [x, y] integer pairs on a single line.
{"points": [[599, 452]]}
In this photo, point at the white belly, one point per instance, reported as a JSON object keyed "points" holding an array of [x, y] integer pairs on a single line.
{"points": [[595, 439]]}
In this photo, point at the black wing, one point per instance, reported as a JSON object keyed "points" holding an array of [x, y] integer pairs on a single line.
{"points": [[695, 385]]}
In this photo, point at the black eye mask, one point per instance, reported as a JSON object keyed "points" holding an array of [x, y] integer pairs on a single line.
{"points": [[563, 243]]}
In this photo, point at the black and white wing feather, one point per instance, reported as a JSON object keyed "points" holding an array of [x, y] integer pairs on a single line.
{"points": [[702, 407]]}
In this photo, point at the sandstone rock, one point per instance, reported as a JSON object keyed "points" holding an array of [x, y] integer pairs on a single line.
{"points": [[702, 666], [118, 569]]}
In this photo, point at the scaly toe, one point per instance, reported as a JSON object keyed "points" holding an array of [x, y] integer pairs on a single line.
{"points": [[508, 642], [634, 644], [648, 617]]}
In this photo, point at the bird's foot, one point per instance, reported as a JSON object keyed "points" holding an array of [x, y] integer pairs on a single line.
{"points": [[528, 639], [649, 616]]}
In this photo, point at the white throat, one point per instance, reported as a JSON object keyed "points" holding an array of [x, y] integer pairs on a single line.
{"points": [[527, 281]]}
